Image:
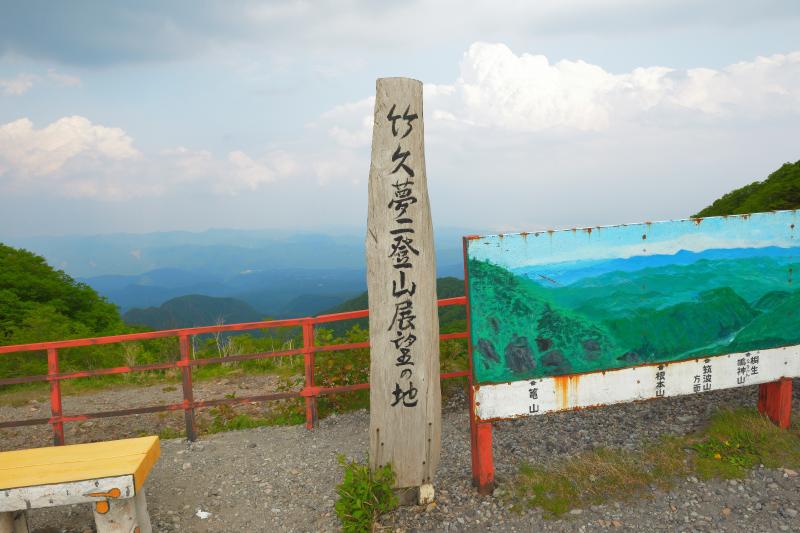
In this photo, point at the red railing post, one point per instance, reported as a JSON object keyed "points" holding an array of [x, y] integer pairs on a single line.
{"points": [[775, 401], [188, 392], [308, 359], [55, 397]]}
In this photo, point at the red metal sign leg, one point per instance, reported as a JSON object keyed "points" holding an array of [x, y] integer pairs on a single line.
{"points": [[480, 433], [473, 435], [485, 462], [775, 401]]}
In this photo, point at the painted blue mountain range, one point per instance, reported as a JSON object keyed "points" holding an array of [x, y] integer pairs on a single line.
{"points": [[569, 272]]}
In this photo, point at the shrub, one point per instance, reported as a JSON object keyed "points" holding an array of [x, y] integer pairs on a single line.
{"points": [[364, 495]]}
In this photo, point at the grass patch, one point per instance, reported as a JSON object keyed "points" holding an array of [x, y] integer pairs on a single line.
{"points": [[225, 418], [590, 478], [733, 443], [171, 433], [738, 440]]}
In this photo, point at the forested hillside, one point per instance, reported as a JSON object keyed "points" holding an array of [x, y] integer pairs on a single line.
{"points": [[781, 190], [451, 318], [39, 303], [193, 310]]}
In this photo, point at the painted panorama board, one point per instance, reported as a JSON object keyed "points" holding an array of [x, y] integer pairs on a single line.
{"points": [[576, 318]]}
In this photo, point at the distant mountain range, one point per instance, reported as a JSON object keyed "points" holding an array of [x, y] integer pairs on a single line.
{"points": [[276, 273], [198, 310], [275, 292], [219, 252]]}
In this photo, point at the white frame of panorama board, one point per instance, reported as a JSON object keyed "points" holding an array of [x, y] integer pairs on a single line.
{"points": [[772, 369]]}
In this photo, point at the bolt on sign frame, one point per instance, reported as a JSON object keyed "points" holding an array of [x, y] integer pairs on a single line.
{"points": [[570, 319], [185, 362]]}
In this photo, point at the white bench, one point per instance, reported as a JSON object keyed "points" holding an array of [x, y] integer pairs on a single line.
{"points": [[109, 475]]}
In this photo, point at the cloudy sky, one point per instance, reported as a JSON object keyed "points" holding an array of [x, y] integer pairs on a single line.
{"points": [[150, 116]]}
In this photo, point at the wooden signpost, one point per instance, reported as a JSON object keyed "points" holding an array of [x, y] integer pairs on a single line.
{"points": [[405, 395]]}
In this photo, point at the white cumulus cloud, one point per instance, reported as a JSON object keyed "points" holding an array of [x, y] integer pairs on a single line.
{"points": [[237, 172], [18, 85], [527, 92], [30, 152], [500, 89], [75, 158]]}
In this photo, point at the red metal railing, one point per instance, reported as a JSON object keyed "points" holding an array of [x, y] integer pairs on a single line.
{"points": [[310, 391]]}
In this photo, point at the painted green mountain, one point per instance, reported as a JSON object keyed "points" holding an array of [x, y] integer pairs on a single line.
{"points": [[776, 326], [679, 330], [518, 333], [614, 292], [523, 329]]}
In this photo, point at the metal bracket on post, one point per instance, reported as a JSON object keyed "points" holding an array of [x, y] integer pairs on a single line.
{"points": [[55, 397], [775, 401], [308, 359], [188, 393]]}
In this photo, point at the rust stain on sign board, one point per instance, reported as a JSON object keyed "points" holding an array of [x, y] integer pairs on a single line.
{"points": [[566, 390]]}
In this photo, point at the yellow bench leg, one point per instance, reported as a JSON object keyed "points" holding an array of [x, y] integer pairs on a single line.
{"points": [[14, 522]]}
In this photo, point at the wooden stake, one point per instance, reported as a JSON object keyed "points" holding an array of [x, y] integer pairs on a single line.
{"points": [[405, 396]]}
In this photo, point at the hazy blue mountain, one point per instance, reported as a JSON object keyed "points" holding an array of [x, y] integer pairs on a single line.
{"points": [[218, 252], [277, 273], [281, 292]]}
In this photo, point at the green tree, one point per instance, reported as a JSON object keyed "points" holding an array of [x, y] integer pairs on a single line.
{"points": [[781, 190], [39, 303]]}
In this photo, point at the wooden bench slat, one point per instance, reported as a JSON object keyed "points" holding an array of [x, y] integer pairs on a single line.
{"points": [[76, 452], [64, 464]]}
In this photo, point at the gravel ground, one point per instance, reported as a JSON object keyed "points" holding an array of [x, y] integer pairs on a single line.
{"points": [[283, 478]]}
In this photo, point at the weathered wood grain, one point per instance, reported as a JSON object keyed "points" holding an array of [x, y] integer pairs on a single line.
{"points": [[14, 522], [405, 396], [116, 516], [70, 493]]}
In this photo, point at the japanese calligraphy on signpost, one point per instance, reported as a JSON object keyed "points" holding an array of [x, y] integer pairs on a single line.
{"points": [[405, 404]]}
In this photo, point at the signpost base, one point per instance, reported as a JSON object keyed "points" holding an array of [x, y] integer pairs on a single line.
{"points": [[775, 401], [422, 495]]}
